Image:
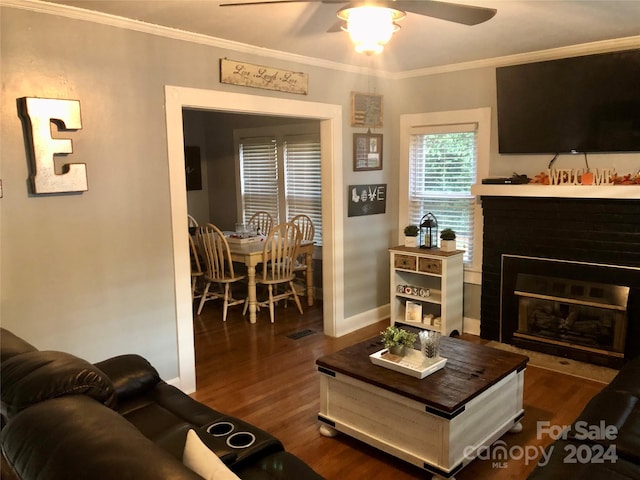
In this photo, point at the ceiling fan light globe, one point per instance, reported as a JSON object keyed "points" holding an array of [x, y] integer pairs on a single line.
{"points": [[370, 27]]}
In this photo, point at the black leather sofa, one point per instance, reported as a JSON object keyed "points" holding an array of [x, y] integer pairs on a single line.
{"points": [[604, 441], [64, 418]]}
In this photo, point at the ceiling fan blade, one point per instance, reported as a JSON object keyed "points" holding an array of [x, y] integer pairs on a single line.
{"points": [[267, 2], [336, 27], [453, 12]]}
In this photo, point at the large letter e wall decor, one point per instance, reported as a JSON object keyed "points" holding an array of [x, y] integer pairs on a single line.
{"points": [[37, 115]]}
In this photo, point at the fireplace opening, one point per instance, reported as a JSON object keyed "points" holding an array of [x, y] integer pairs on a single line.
{"points": [[571, 309], [587, 316]]}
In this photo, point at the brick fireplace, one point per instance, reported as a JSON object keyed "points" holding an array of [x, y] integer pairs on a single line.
{"points": [[586, 243]]}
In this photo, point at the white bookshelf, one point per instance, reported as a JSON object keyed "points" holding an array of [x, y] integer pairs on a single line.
{"points": [[421, 270]]}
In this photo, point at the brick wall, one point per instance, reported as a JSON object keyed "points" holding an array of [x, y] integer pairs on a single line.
{"points": [[583, 230]]}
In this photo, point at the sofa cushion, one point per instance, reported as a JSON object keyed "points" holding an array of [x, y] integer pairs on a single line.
{"points": [[75, 437], [36, 376], [279, 466], [627, 379], [612, 418], [203, 461]]}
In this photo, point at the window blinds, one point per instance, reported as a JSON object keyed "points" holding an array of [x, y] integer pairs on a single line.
{"points": [[303, 179], [281, 175], [442, 169], [259, 174]]}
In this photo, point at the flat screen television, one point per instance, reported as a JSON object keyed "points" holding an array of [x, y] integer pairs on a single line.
{"points": [[580, 104]]}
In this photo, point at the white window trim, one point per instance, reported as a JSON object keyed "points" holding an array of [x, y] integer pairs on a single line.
{"points": [[480, 116]]}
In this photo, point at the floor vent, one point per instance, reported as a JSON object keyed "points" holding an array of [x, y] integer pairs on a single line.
{"points": [[300, 334]]}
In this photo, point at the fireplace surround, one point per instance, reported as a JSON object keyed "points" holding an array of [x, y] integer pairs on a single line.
{"points": [[581, 236]]}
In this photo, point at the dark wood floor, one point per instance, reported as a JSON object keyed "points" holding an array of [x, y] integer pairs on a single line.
{"points": [[256, 372]]}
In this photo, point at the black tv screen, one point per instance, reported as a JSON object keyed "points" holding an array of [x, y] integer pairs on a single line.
{"points": [[580, 104]]}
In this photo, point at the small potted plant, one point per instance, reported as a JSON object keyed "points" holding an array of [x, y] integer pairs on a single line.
{"points": [[398, 340], [448, 240], [411, 235]]}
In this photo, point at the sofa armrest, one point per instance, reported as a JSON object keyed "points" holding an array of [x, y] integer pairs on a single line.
{"points": [[131, 375]]}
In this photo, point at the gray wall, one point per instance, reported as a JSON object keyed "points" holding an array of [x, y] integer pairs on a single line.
{"points": [[92, 273]]}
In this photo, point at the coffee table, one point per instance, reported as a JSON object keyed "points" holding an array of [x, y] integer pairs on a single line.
{"points": [[437, 423]]}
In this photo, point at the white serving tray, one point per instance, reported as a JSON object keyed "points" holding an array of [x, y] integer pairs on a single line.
{"points": [[411, 364]]}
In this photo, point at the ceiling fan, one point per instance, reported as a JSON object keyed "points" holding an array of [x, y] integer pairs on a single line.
{"points": [[372, 23], [452, 12]]}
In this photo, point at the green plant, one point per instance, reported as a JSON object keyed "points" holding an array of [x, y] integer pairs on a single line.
{"points": [[393, 336], [447, 234], [411, 231]]}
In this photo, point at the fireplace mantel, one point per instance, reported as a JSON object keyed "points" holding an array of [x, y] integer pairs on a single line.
{"points": [[622, 192]]}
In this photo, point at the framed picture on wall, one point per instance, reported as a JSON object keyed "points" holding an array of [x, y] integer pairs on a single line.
{"points": [[367, 151], [366, 110]]}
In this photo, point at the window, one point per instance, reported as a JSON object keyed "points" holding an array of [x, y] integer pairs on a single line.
{"points": [[442, 168], [442, 156], [280, 174]]}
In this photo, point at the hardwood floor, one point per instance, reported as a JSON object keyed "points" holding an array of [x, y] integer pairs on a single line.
{"points": [[257, 373]]}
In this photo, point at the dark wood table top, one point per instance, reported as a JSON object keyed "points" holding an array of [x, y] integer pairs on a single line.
{"points": [[470, 370]]}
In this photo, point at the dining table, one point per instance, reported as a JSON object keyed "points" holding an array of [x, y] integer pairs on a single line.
{"points": [[250, 253]]}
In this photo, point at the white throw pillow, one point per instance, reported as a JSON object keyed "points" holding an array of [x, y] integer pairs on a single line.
{"points": [[198, 458]]}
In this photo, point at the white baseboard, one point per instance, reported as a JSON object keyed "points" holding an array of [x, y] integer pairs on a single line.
{"points": [[178, 384], [363, 319], [471, 326]]}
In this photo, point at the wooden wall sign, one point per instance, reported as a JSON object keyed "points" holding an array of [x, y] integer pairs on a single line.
{"points": [[366, 110], [367, 199], [258, 76]]}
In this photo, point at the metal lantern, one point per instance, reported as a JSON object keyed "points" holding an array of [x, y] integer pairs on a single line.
{"points": [[428, 231]]}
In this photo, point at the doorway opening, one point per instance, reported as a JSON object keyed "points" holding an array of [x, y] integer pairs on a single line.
{"points": [[330, 117]]}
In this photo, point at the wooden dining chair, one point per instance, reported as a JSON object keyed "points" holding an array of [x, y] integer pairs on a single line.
{"points": [[192, 223], [196, 268], [278, 260], [305, 224], [263, 221], [218, 267]]}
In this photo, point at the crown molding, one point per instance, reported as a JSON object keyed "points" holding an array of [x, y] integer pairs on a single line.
{"points": [[76, 13], [613, 45]]}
